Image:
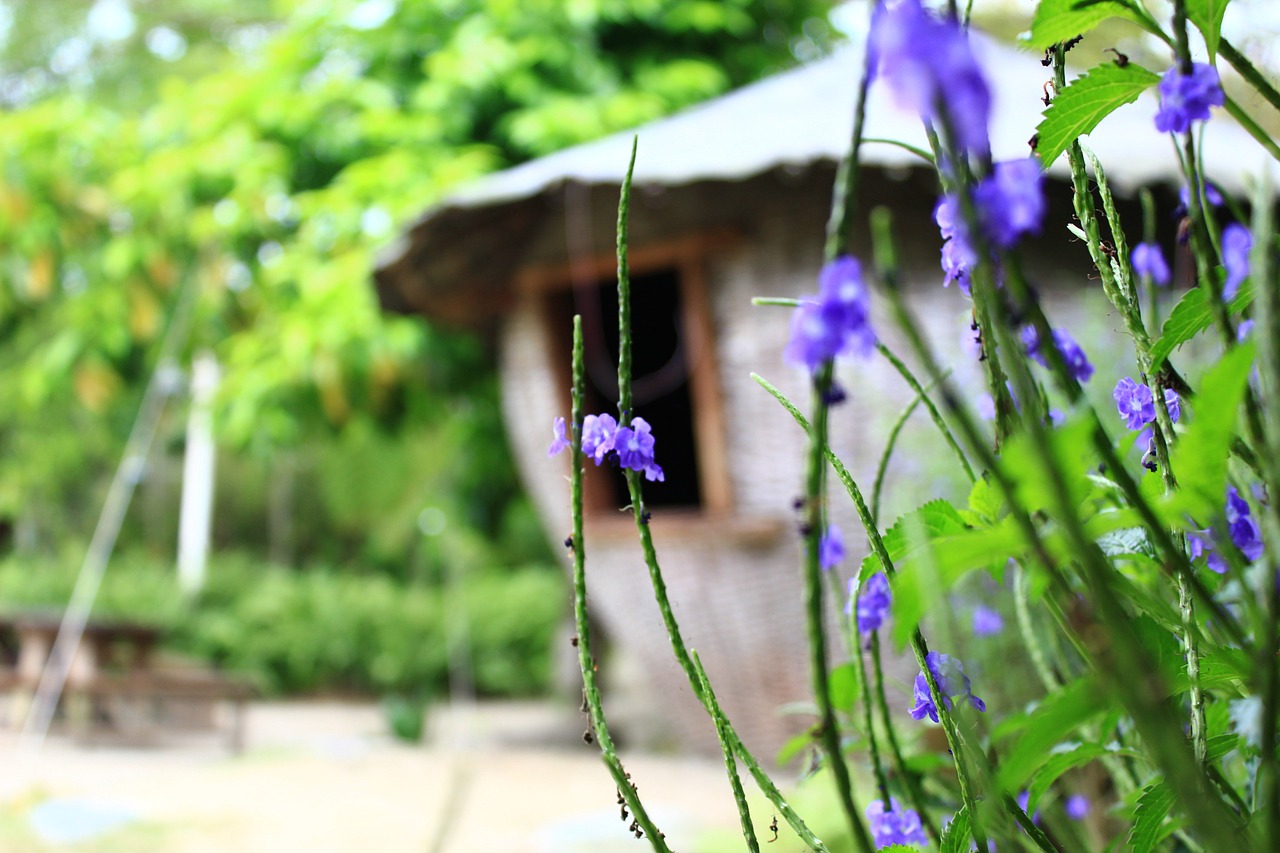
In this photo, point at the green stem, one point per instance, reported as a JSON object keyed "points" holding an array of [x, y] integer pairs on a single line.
{"points": [[815, 626], [1251, 126], [1249, 72], [1022, 607], [586, 662], [883, 466], [641, 516], [730, 764], [868, 720], [909, 778], [1267, 684]]}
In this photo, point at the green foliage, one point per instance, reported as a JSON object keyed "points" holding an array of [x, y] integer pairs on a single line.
{"points": [[406, 717], [1191, 316], [1060, 20], [956, 837], [1149, 817], [1207, 16], [1087, 101], [265, 171], [320, 629], [1058, 715]]}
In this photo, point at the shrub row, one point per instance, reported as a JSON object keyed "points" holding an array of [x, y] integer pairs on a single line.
{"points": [[322, 629]]}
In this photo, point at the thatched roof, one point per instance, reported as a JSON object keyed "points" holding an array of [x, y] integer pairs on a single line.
{"points": [[470, 243]]}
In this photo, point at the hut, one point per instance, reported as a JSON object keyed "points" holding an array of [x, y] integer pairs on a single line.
{"points": [[730, 202]]}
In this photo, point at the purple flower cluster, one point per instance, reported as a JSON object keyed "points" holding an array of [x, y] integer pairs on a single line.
{"points": [[1011, 201], [928, 63], [1185, 98], [953, 684], [1077, 807], [830, 548], [838, 321], [1241, 526], [1010, 204], [874, 600], [1236, 244], [602, 439], [1072, 354], [1148, 260], [1137, 405], [894, 826]]}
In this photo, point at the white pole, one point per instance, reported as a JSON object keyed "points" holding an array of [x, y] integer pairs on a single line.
{"points": [[197, 476]]}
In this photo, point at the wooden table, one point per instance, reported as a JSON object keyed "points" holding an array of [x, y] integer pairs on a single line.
{"points": [[112, 682]]}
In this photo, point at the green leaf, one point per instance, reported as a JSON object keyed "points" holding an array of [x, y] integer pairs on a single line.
{"points": [[1207, 16], [798, 744], [1201, 453], [1059, 763], [1060, 20], [956, 834], [844, 687], [1061, 713], [1085, 102], [935, 519], [985, 500], [1153, 808], [1191, 316]]}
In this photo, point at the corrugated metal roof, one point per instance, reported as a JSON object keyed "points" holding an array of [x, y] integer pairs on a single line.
{"points": [[804, 116]]}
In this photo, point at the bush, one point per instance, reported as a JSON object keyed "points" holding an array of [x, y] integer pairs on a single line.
{"points": [[322, 629]]}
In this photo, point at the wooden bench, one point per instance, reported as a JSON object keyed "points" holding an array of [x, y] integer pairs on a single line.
{"points": [[143, 703]]}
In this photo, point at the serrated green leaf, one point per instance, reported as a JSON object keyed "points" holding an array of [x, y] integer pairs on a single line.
{"points": [[925, 577], [956, 835], [1207, 16], [1060, 20], [1086, 101], [1153, 808], [1057, 716], [985, 500], [1200, 456], [936, 518], [1191, 316]]}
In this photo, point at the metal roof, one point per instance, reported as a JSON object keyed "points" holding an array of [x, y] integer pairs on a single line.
{"points": [[795, 118]]}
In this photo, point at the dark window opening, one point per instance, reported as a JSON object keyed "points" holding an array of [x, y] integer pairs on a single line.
{"points": [[660, 379]]}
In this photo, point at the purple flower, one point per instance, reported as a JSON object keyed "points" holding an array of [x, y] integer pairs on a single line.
{"points": [[1211, 195], [558, 442], [895, 826], [952, 684], [874, 600], [1185, 98], [830, 548], [1200, 544], [634, 446], [986, 622], [837, 322], [1011, 201], [928, 63], [1244, 530], [1077, 807], [1236, 243], [598, 435], [1077, 361], [1135, 403], [1148, 260], [986, 405], [958, 257], [1242, 333]]}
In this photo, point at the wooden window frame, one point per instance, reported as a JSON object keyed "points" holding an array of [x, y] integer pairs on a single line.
{"points": [[687, 257]]}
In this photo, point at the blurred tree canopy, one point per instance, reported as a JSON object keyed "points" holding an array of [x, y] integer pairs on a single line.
{"points": [[260, 152]]}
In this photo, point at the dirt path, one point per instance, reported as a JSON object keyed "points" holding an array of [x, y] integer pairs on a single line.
{"points": [[325, 777]]}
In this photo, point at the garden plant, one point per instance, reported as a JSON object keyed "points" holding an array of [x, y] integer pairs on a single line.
{"points": [[1136, 542]]}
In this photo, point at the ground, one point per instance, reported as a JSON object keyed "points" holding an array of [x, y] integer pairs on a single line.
{"points": [[324, 776]]}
